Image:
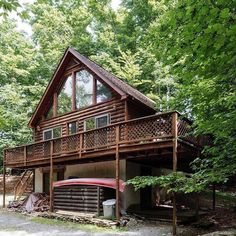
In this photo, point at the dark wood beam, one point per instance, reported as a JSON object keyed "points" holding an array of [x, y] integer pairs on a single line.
{"points": [[51, 177], [55, 104], [117, 175], [175, 143], [73, 91], [4, 186], [94, 91]]}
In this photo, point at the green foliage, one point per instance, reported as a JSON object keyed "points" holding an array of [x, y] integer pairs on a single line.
{"points": [[21, 85], [175, 182], [195, 39], [7, 6], [179, 53]]}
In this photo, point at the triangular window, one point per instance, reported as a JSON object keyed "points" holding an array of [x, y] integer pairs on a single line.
{"points": [[49, 114], [103, 93], [80, 89]]}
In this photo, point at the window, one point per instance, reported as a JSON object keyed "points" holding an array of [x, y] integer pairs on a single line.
{"points": [[50, 113], [84, 89], [72, 127], [65, 97], [96, 122], [56, 132], [103, 93], [52, 133], [47, 135], [101, 121], [80, 89]]}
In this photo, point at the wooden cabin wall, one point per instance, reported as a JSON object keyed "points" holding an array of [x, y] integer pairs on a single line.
{"points": [[137, 110], [114, 107]]}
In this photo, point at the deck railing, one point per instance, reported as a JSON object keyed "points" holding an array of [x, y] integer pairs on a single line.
{"points": [[143, 130]]}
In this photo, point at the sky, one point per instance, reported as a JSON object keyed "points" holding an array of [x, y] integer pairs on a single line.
{"points": [[22, 26]]}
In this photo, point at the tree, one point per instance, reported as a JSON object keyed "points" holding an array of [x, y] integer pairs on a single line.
{"points": [[21, 85], [8, 6], [196, 40]]}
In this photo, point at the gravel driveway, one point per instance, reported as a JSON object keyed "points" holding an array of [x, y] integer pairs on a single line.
{"points": [[12, 224]]}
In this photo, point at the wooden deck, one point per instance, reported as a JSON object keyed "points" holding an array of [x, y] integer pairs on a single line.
{"points": [[152, 132]]}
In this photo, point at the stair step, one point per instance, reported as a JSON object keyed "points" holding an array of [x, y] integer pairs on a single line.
{"points": [[25, 185]]}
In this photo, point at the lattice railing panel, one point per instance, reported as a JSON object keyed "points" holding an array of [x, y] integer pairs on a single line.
{"points": [[14, 155], [143, 130], [38, 150], [66, 144], [185, 131], [155, 127], [103, 137]]}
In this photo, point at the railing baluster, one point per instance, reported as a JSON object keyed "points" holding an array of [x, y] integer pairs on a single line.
{"points": [[174, 124], [80, 144], [25, 155]]}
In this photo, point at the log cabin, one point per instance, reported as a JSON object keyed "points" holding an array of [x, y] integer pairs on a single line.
{"points": [[91, 124]]}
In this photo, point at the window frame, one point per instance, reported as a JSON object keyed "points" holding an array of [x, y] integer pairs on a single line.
{"points": [[51, 129], [94, 91], [96, 117], [77, 126], [72, 73]]}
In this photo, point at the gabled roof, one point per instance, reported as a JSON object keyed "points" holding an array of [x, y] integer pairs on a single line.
{"points": [[123, 89]]}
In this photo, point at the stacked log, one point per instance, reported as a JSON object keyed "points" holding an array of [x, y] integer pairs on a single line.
{"points": [[11, 181], [40, 203], [81, 198], [81, 219]]}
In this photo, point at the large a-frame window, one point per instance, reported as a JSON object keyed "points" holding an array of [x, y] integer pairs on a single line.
{"points": [[80, 89], [64, 100], [102, 92], [84, 89]]}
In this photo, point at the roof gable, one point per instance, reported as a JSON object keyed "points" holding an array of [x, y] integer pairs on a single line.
{"points": [[71, 58]]}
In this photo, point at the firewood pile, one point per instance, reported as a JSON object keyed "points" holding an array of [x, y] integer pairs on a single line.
{"points": [[35, 202], [82, 219]]}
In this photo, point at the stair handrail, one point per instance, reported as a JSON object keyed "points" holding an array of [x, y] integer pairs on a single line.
{"points": [[21, 183], [24, 185]]}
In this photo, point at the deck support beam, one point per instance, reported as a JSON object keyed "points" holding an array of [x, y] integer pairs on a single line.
{"points": [[175, 143], [4, 186], [51, 177], [117, 175]]}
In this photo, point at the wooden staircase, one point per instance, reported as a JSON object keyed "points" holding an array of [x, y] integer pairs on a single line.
{"points": [[24, 186]]}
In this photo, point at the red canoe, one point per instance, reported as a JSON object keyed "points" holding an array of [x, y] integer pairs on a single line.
{"points": [[103, 182]]}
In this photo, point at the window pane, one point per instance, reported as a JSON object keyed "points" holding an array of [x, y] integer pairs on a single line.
{"points": [[72, 128], [89, 124], [50, 113], [101, 121], [47, 135], [84, 89], [65, 97], [57, 132], [103, 93]]}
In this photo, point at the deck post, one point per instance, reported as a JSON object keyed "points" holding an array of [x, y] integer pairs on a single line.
{"points": [[54, 105], [214, 197], [4, 185], [99, 200], [117, 175], [175, 136], [25, 155], [51, 177]]}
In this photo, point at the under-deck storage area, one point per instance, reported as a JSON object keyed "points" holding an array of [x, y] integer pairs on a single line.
{"points": [[82, 198]]}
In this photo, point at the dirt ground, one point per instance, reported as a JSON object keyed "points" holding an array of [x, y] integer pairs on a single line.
{"points": [[9, 197], [223, 218], [19, 225]]}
